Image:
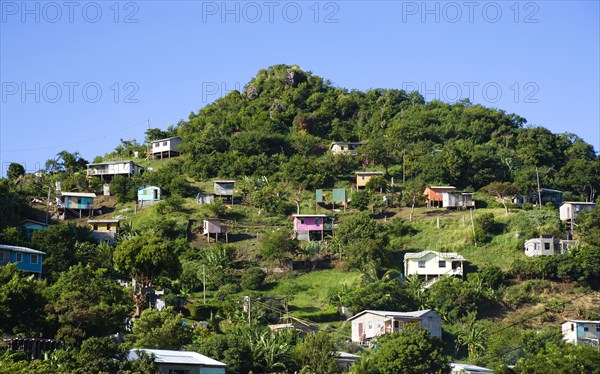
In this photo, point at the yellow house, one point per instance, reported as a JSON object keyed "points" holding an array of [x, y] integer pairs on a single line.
{"points": [[104, 230], [362, 177]]}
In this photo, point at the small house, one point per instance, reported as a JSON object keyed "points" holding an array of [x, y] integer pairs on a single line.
{"points": [[570, 209], [205, 198], [108, 169], [312, 226], [75, 203], [345, 147], [165, 148], [434, 195], [547, 245], [28, 226], [214, 226], [458, 200], [431, 265], [460, 368], [104, 230], [581, 332], [370, 324], [550, 196], [27, 259], [148, 195], [346, 360], [224, 188], [363, 177], [184, 362]]}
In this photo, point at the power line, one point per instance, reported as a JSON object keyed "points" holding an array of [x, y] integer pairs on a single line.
{"points": [[76, 142]]}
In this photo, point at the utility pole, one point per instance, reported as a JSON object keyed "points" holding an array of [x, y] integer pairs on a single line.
{"points": [[48, 205], [537, 173], [473, 227], [204, 281], [404, 166]]}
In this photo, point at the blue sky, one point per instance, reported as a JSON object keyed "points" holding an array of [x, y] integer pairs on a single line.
{"points": [[82, 75]]}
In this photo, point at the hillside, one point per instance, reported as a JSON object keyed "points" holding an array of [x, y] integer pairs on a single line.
{"points": [[273, 139]]}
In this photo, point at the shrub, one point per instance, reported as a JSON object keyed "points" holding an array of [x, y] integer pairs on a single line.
{"points": [[253, 278], [329, 315]]}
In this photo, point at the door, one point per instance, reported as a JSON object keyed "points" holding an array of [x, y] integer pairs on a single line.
{"points": [[360, 331], [155, 194]]}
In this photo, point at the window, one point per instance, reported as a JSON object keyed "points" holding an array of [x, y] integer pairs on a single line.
{"points": [[586, 328], [442, 263], [370, 325], [362, 177], [302, 221], [547, 246], [164, 143], [597, 328], [378, 325], [572, 327], [19, 257], [317, 222], [34, 259], [156, 145], [421, 263]]}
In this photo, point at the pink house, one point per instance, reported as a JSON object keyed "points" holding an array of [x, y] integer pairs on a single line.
{"points": [[312, 226]]}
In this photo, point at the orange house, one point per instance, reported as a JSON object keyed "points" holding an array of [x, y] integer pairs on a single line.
{"points": [[434, 195]]}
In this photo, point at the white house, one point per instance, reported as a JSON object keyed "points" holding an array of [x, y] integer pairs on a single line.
{"points": [[345, 147], [547, 246], [432, 264], [109, 169], [369, 324], [457, 200], [581, 332], [569, 209], [180, 361], [165, 148]]}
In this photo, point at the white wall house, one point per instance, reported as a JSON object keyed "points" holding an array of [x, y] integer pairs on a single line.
{"points": [[581, 332], [112, 168], [432, 264], [369, 324], [458, 200], [180, 361], [547, 246], [569, 209], [165, 148], [345, 147]]}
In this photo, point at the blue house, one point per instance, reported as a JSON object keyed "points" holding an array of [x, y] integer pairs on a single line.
{"points": [[149, 193], [71, 204], [29, 226], [27, 259]]}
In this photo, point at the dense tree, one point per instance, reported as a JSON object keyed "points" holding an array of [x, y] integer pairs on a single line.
{"points": [[84, 303], [15, 170], [317, 353], [58, 242], [502, 191], [161, 329], [145, 258], [278, 245], [21, 302], [561, 359], [412, 350]]}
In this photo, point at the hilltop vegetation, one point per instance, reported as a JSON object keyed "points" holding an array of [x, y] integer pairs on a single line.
{"points": [[273, 139]]}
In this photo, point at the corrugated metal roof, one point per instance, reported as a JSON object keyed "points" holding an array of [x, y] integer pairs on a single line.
{"points": [[384, 313], [112, 162], [78, 194], [368, 172], [582, 321], [309, 215], [160, 140], [447, 255], [177, 357], [14, 248]]}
